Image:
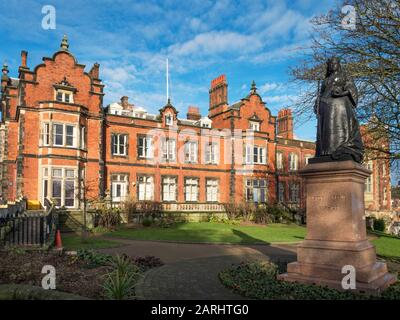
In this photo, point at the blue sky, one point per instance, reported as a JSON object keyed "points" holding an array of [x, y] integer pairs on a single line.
{"points": [[246, 40]]}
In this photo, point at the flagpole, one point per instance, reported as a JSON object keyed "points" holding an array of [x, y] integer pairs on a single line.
{"points": [[167, 75]]}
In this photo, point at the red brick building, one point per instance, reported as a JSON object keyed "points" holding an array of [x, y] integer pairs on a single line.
{"points": [[57, 141]]}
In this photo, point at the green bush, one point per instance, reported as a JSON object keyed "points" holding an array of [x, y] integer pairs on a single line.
{"points": [[147, 222], [93, 258], [379, 225], [120, 283], [258, 280]]}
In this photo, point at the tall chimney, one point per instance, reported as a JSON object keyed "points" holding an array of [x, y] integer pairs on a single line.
{"points": [[24, 58], [193, 113], [94, 72], [285, 124], [124, 101], [218, 95]]}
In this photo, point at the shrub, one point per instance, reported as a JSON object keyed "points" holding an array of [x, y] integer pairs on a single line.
{"points": [[120, 283], [262, 215], [147, 222], [379, 225], [109, 218], [231, 210], [93, 258]]}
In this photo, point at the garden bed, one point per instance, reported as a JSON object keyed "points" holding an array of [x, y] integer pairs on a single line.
{"points": [[83, 275], [258, 280]]}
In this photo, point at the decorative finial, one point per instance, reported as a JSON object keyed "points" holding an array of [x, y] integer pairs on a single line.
{"points": [[169, 101], [253, 87], [64, 43], [5, 68]]}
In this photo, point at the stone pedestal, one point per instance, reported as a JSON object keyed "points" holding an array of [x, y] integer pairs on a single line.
{"points": [[336, 230]]}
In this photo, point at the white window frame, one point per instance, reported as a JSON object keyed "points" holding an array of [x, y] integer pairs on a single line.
{"points": [[192, 189], [256, 189], [169, 150], [83, 137], [145, 188], [119, 140], [279, 160], [254, 126], [64, 135], [46, 133], [293, 161], [119, 182], [212, 153], [368, 182], [145, 149], [212, 190], [64, 94], [255, 154], [48, 179], [169, 188], [169, 119], [191, 151]]}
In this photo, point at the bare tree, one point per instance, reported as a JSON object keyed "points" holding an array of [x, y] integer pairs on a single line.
{"points": [[369, 47]]}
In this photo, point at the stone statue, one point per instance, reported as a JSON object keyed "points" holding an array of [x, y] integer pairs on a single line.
{"points": [[338, 136]]}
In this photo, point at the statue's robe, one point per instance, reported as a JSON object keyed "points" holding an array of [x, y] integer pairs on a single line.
{"points": [[338, 133]]}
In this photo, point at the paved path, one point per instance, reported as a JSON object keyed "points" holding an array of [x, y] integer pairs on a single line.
{"points": [[191, 270]]}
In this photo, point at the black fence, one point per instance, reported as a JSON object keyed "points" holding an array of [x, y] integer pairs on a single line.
{"points": [[22, 228]]}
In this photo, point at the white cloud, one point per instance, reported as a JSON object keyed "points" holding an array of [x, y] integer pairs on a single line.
{"points": [[216, 42], [270, 86]]}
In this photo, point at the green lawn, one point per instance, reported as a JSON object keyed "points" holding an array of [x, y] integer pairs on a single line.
{"points": [[74, 242], [216, 232], [386, 245]]}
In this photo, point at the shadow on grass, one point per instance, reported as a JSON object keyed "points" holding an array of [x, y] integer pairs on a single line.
{"points": [[246, 239]]}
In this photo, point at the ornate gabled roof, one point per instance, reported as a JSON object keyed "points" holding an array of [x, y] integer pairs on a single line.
{"points": [[168, 105]]}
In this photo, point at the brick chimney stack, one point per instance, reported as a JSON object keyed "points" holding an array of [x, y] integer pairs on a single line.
{"points": [[193, 113], [125, 103], [218, 95], [285, 124], [95, 71], [24, 59]]}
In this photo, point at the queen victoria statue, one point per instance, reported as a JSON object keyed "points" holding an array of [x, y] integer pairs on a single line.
{"points": [[338, 135]]}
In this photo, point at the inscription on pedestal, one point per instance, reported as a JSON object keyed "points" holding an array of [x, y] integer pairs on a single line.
{"points": [[321, 202]]}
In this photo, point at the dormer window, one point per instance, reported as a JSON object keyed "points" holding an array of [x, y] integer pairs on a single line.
{"points": [[169, 120], [64, 96], [254, 125]]}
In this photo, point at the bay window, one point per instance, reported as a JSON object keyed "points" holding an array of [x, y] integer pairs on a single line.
{"points": [[64, 135], [59, 184]]}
